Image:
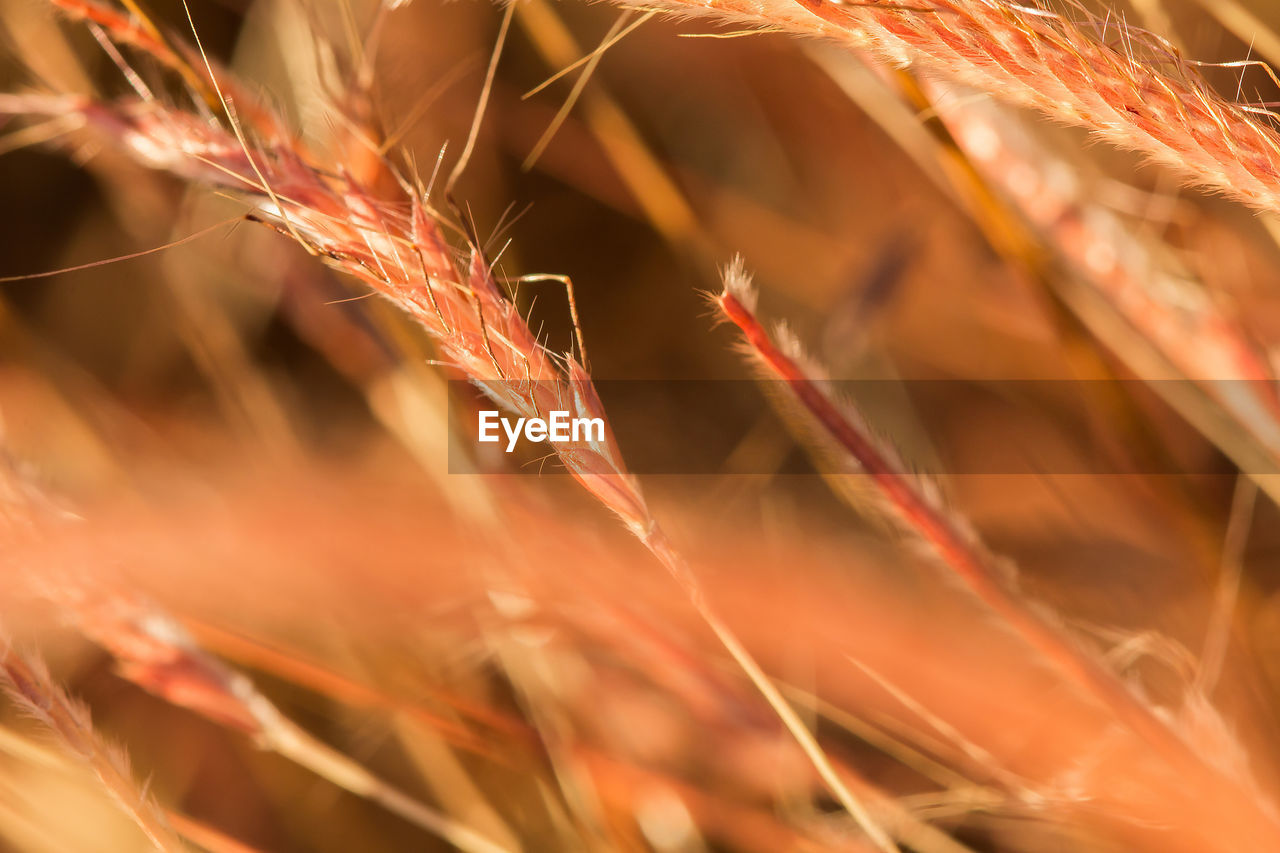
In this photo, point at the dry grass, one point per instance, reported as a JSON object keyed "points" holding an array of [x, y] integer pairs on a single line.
{"points": [[241, 490], [1130, 87]]}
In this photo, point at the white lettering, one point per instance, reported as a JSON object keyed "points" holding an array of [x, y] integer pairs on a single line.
{"points": [[488, 425], [593, 427], [560, 428], [512, 434]]}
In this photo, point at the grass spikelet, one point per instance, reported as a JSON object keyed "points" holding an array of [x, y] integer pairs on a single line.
{"points": [[1139, 95], [29, 685], [958, 549]]}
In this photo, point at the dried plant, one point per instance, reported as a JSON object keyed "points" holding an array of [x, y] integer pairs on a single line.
{"points": [[487, 635], [917, 505], [27, 682], [1140, 94], [407, 259]]}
